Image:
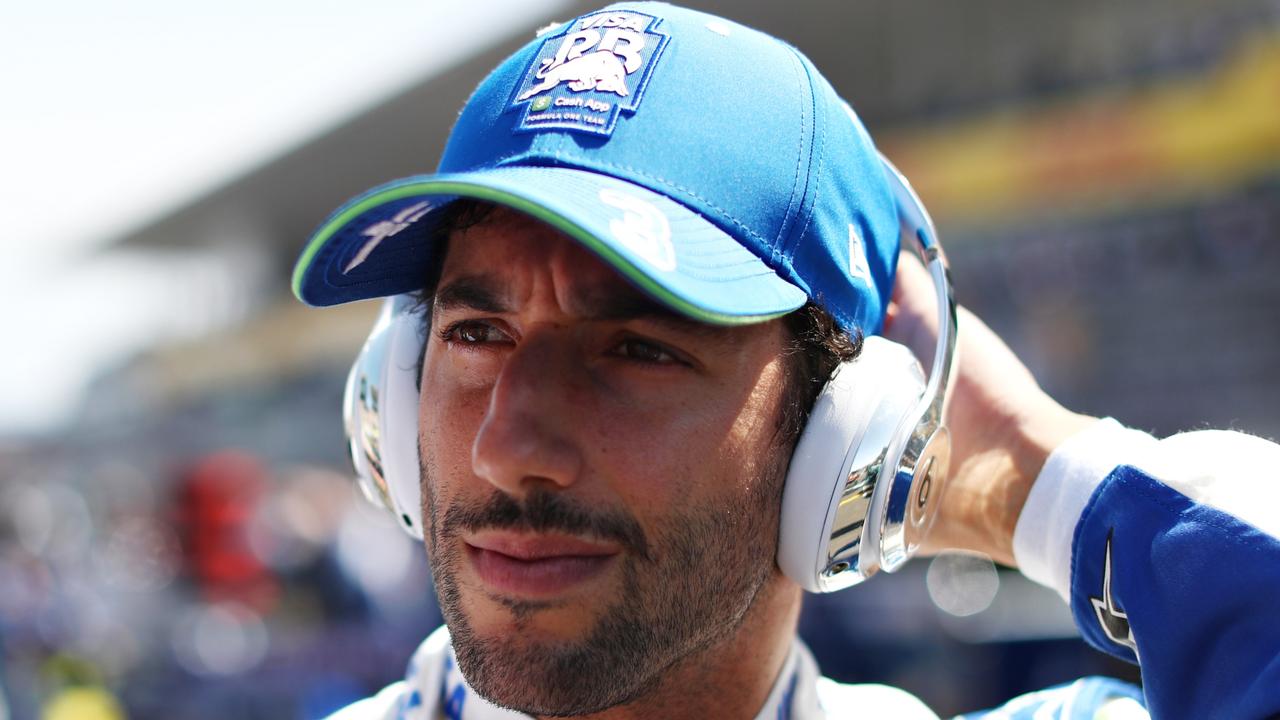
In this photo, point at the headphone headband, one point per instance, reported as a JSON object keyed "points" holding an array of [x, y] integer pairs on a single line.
{"points": [[925, 453]]}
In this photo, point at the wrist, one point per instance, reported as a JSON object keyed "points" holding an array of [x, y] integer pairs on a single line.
{"points": [[1035, 437], [989, 487]]}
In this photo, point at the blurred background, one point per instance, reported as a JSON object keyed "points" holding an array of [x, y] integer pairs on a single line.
{"points": [[178, 534]]}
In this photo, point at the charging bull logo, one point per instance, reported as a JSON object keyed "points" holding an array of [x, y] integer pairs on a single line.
{"points": [[601, 70], [582, 77]]}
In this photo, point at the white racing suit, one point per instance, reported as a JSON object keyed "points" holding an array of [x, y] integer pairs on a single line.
{"points": [[1166, 550]]}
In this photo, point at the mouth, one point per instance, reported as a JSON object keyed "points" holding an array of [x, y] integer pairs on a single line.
{"points": [[534, 565]]}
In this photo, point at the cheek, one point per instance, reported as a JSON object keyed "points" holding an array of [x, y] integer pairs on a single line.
{"points": [[449, 416], [688, 448]]}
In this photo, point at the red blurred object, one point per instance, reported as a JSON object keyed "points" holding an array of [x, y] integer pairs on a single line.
{"points": [[218, 497]]}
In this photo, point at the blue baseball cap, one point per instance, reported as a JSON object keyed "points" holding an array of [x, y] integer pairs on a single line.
{"points": [[710, 164]]}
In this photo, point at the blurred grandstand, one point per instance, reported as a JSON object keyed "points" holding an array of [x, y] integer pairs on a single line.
{"points": [[1106, 178]]}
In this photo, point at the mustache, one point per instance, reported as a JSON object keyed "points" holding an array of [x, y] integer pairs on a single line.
{"points": [[542, 511]]}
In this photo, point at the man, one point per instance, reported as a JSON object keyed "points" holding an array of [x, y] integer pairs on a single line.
{"points": [[654, 237]]}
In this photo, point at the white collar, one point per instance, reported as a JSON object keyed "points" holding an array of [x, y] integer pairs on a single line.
{"points": [[435, 688]]}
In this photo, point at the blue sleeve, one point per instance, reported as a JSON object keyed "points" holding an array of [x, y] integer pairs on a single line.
{"points": [[1188, 591], [1167, 552]]}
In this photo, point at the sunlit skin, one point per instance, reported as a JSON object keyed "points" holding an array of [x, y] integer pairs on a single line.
{"points": [[546, 371]]}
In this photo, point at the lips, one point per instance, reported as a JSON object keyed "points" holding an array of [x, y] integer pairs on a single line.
{"points": [[539, 566]]}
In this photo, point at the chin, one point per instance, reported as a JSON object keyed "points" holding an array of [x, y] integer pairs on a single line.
{"points": [[547, 676], [563, 657]]}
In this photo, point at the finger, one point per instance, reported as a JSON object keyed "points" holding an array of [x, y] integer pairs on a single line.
{"points": [[913, 289]]}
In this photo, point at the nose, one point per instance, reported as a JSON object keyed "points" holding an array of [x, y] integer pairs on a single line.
{"points": [[526, 437]]}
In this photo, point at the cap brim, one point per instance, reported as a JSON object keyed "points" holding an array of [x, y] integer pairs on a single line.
{"points": [[379, 243]]}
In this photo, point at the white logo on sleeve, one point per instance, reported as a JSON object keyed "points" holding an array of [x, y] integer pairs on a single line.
{"points": [[1113, 620], [858, 266], [384, 229], [642, 229]]}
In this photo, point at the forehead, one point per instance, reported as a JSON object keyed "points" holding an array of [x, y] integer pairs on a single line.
{"points": [[481, 230], [513, 255]]}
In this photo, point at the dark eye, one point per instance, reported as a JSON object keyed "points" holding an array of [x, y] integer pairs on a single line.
{"points": [[644, 351], [472, 332]]}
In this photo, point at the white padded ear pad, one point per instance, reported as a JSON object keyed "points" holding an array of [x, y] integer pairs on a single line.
{"points": [[381, 414], [853, 421]]}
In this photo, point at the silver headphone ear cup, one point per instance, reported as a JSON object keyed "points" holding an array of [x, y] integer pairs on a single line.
{"points": [[400, 408], [826, 502], [361, 413], [908, 494], [875, 443], [810, 495], [381, 414]]}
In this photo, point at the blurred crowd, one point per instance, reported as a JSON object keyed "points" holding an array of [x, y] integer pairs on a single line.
{"points": [[209, 559], [216, 586]]}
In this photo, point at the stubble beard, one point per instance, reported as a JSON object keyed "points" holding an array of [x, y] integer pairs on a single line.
{"points": [[682, 590]]}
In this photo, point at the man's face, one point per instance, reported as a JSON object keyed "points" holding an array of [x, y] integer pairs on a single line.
{"points": [[601, 477]]}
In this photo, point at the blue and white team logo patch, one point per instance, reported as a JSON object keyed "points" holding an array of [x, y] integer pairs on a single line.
{"points": [[596, 67]]}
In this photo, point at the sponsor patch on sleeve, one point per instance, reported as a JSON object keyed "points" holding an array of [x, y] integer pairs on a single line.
{"points": [[582, 77]]}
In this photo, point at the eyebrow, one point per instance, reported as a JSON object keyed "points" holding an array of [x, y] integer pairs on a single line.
{"points": [[471, 292], [622, 307], [481, 293]]}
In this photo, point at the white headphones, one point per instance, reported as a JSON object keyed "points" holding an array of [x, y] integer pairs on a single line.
{"points": [[865, 480]]}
